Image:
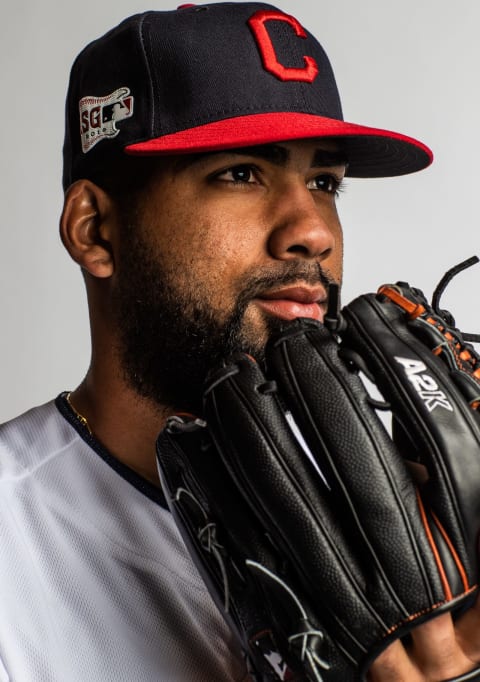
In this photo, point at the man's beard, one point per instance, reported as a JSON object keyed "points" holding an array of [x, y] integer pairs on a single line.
{"points": [[170, 336]]}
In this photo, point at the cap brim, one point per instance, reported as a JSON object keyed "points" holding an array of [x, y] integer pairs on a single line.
{"points": [[371, 152]]}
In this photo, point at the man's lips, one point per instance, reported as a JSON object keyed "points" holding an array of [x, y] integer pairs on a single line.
{"points": [[292, 302]]}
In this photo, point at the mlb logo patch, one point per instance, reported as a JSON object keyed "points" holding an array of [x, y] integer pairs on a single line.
{"points": [[99, 115]]}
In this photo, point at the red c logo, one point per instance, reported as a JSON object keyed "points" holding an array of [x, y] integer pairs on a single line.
{"points": [[257, 23]]}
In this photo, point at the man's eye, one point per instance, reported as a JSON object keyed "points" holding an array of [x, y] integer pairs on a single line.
{"points": [[238, 174], [325, 183]]}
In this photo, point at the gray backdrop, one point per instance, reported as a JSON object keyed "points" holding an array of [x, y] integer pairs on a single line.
{"points": [[410, 66]]}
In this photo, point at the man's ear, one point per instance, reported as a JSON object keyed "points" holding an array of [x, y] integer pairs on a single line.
{"points": [[86, 227]]}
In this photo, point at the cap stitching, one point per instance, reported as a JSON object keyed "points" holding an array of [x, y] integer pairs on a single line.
{"points": [[254, 107], [150, 79]]}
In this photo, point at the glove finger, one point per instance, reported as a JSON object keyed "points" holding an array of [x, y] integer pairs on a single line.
{"points": [[269, 464], [291, 499], [439, 421], [241, 566], [373, 489], [338, 553]]}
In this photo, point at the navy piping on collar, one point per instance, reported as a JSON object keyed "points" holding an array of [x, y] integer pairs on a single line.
{"points": [[144, 486]]}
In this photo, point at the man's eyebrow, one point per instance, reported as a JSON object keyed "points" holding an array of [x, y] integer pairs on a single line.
{"points": [[273, 153], [269, 152]]}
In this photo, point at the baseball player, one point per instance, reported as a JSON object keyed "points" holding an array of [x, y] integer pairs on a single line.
{"points": [[204, 150]]}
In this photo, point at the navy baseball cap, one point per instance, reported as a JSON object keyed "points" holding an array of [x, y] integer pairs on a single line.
{"points": [[211, 77]]}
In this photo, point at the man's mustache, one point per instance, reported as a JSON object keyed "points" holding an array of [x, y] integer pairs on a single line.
{"points": [[259, 283]]}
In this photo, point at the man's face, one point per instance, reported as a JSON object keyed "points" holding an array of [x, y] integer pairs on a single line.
{"points": [[222, 250]]}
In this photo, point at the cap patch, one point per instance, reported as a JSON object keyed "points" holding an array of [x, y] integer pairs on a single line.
{"points": [[98, 116]]}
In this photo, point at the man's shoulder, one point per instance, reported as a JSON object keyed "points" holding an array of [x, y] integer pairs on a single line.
{"points": [[32, 437]]}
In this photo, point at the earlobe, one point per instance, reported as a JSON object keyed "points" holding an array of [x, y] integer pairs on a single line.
{"points": [[85, 228]]}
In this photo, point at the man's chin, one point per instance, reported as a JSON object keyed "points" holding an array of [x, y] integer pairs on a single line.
{"points": [[256, 332]]}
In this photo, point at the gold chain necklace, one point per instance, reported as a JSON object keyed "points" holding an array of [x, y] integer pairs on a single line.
{"points": [[83, 420]]}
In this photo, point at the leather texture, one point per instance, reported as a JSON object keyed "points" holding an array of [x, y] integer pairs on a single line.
{"points": [[301, 511]]}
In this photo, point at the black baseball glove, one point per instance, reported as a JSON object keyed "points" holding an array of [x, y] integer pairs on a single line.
{"points": [[316, 540]]}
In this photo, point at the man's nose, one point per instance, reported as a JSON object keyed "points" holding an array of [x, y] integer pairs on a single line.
{"points": [[304, 227]]}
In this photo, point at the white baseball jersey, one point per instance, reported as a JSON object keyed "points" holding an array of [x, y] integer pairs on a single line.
{"points": [[95, 582]]}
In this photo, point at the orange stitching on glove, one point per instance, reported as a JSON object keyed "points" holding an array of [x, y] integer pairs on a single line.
{"points": [[431, 608], [453, 552], [435, 552]]}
